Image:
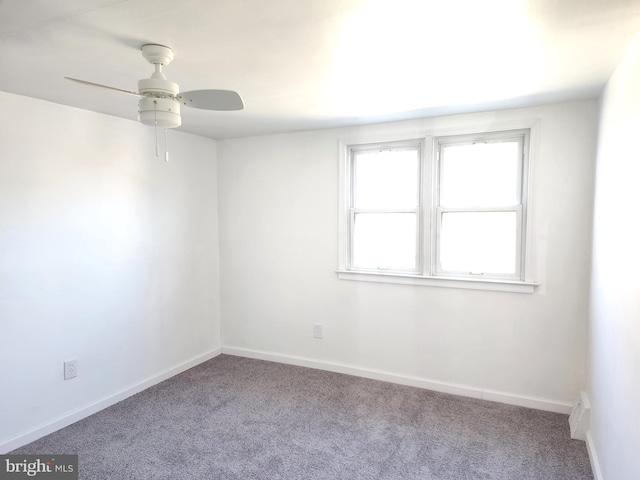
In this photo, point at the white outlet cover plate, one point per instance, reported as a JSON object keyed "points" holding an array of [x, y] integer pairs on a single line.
{"points": [[317, 330], [70, 369]]}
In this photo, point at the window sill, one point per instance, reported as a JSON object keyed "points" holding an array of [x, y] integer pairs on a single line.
{"points": [[446, 282]]}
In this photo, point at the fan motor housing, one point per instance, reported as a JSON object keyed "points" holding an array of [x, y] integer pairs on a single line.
{"points": [[161, 112], [158, 86]]}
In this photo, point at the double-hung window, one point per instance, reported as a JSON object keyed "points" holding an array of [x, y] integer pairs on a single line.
{"points": [[445, 210], [384, 210], [479, 208]]}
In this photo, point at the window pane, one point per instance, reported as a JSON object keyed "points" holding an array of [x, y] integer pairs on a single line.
{"points": [[480, 175], [478, 242], [385, 241], [386, 178]]}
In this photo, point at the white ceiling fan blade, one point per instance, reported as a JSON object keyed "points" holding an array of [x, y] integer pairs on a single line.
{"points": [[223, 100], [84, 82]]}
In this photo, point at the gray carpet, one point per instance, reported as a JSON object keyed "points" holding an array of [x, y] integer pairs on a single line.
{"points": [[238, 418]]}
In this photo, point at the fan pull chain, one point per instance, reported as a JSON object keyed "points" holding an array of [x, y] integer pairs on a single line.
{"points": [[166, 147], [155, 118]]}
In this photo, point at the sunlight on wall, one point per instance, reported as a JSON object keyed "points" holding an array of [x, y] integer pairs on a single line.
{"points": [[409, 54]]}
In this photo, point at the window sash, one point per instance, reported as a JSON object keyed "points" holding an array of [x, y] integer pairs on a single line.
{"points": [[517, 275], [352, 224], [521, 137], [401, 147]]}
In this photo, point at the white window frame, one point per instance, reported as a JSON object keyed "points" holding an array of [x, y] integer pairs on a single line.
{"points": [[354, 149], [522, 136], [428, 273]]}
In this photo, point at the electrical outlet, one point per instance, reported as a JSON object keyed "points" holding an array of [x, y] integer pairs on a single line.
{"points": [[70, 369], [317, 330]]}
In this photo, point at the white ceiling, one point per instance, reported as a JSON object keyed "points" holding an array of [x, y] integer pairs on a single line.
{"points": [[308, 64]]}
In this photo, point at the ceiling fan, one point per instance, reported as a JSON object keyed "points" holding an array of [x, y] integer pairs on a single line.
{"points": [[160, 99]]}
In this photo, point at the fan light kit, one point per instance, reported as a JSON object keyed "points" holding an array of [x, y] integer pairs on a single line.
{"points": [[160, 101]]}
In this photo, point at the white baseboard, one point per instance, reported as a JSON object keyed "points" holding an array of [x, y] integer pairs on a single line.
{"points": [[593, 457], [427, 384], [463, 390], [78, 414]]}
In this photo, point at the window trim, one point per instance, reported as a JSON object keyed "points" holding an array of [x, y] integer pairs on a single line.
{"points": [[428, 214]]}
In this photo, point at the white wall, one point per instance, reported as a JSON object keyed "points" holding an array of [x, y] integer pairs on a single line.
{"points": [[107, 254], [278, 198], [614, 353]]}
